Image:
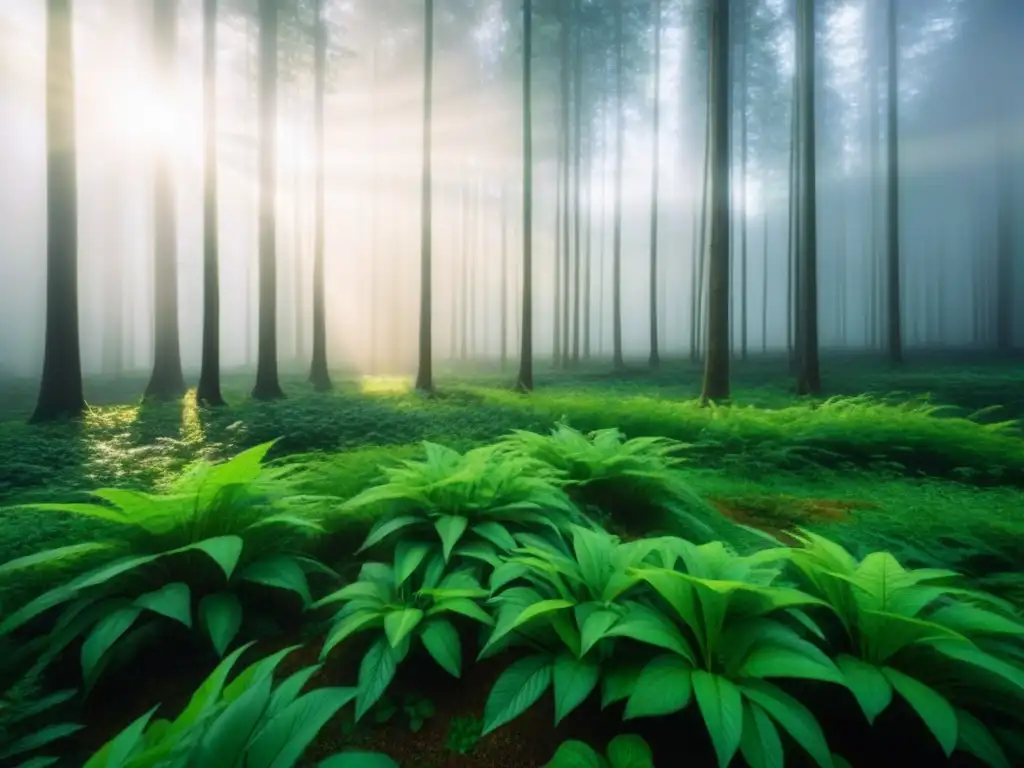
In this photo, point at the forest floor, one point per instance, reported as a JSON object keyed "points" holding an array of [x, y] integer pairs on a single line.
{"points": [[926, 460]]}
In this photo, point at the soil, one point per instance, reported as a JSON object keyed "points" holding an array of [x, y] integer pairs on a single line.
{"points": [[779, 515]]}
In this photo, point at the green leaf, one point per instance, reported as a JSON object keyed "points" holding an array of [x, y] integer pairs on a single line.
{"points": [[868, 685], [286, 736], [575, 754], [207, 695], [52, 555], [356, 759], [279, 572], [574, 680], [462, 606], [116, 752], [650, 627], [376, 671], [224, 741], [107, 632], [408, 557], [441, 640], [385, 528], [760, 745], [255, 672], [595, 627], [450, 528], [290, 688], [497, 534], [794, 718], [40, 738], [516, 690], [223, 550], [776, 661], [221, 616], [398, 624], [934, 710], [663, 687], [976, 739], [349, 626], [627, 750], [527, 614], [618, 683], [721, 705], [173, 601]]}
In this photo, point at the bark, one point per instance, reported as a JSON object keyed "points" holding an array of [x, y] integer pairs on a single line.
{"points": [[894, 310], [524, 381], [620, 130], [654, 359], [319, 374], [425, 374]]}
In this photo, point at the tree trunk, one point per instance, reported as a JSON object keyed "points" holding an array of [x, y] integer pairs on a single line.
{"points": [[60, 391], [895, 345], [208, 392], [655, 359], [319, 374], [524, 381], [503, 283], [268, 386], [745, 37], [716, 365], [577, 159], [167, 382], [425, 374], [620, 131], [567, 212]]}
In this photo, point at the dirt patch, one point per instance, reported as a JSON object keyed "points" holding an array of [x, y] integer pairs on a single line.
{"points": [[779, 515]]}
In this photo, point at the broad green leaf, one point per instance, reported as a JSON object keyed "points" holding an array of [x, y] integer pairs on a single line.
{"points": [[505, 573], [976, 739], [107, 632], [221, 615], [173, 601], [595, 627], [868, 685], [355, 759], [618, 683], [793, 717], [441, 640], [113, 570], [518, 687], [971, 620], [574, 680], [224, 741], [774, 661], [53, 555], [376, 671], [283, 740], [255, 672], [627, 750], [289, 689], [116, 752], [721, 705], [223, 550], [358, 590], [279, 572], [398, 624], [463, 606], [496, 533], [760, 744], [575, 754], [385, 528], [526, 615], [649, 626], [450, 528], [208, 693], [39, 738], [408, 557], [349, 626], [934, 710], [663, 687]]}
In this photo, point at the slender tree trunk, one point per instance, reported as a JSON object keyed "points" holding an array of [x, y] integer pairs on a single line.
{"points": [[556, 305], [319, 374], [167, 382], [249, 272], [764, 285], [808, 376], [297, 239], [208, 392], [524, 382], [895, 341], [60, 391], [566, 103], [114, 285], [655, 358], [588, 279], [503, 283], [793, 329], [268, 386], [1006, 247], [716, 365], [702, 261], [745, 33], [577, 158], [425, 374], [620, 131]]}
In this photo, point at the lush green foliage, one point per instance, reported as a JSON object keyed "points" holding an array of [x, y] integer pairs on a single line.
{"points": [[624, 751]]}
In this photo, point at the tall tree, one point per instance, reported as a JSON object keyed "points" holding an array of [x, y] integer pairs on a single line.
{"points": [[744, 25], [894, 321], [319, 375], [808, 373], [655, 358], [620, 130], [716, 362], [576, 164], [60, 392], [167, 381], [208, 392], [268, 385], [504, 275], [425, 374], [524, 382]]}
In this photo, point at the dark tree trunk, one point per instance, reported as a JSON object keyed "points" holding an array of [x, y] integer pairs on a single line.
{"points": [[620, 131], [745, 37], [524, 382], [716, 363], [208, 392], [425, 374], [167, 382], [655, 358], [503, 301], [60, 391], [319, 374], [268, 386], [895, 340], [577, 158]]}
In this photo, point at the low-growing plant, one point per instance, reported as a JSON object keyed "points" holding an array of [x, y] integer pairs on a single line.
{"points": [[482, 495], [626, 750], [31, 722], [954, 655], [414, 710], [414, 598], [464, 733], [233, 516]]}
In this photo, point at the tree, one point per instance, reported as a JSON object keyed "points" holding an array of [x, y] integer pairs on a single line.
{"points": [[808, 373], [319, 376], [425, 375], [895, 345], [524, 382], [268, 386], [60, 392], [655, 359], [716, 362], [167, 382], [620, 130], [208, 392]]}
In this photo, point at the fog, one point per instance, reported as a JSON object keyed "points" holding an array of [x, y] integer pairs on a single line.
{"points": [[960, 137]]}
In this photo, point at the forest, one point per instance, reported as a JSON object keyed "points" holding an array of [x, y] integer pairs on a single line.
{"points": [[511, 383]]}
